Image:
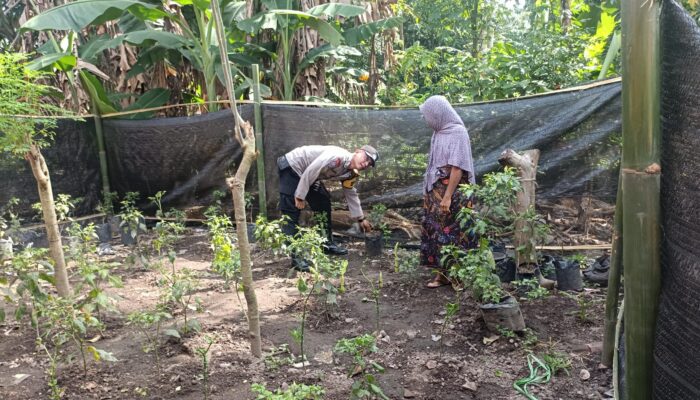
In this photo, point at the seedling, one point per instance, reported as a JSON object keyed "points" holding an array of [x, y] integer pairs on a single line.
{"points": [[406, 262], [557, 361], [376, 218], [585, 302], [93, 273], [376, 295], [203, 353], [179, 288], [295, 391], [506, 333], [366, 387], [451, 309], [532, 288], [131, 218], [279, 357], [145, 321], [64, 204]]}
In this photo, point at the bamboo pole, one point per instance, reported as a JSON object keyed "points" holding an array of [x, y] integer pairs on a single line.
{"points": [[102, 153], [257, 109], [613, 295], [641, 173]]}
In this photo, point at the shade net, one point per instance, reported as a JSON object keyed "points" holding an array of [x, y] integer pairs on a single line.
{"points": [[677, 348], [577, 132], [73, 165]]}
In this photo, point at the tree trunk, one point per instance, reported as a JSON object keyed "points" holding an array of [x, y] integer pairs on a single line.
{"points": [[43, 180], [526, 165], [476, 32], [565, 16], [237, 186], [245, 136]]}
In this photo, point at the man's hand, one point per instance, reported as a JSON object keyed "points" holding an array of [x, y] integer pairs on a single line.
{"points": [[299, 203], [365, 226], [445, 204]]}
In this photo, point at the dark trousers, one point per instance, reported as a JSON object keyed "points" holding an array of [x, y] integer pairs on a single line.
{"points": [[318, 198]]}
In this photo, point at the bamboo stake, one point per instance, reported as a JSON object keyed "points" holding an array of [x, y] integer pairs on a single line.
{"points": [[613, 295], [641, 183]]}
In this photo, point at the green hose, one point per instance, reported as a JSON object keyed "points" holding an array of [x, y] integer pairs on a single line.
{"points": [[539, 373]]}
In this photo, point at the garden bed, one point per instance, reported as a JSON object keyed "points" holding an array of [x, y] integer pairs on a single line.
{"points": [[474, 362]]}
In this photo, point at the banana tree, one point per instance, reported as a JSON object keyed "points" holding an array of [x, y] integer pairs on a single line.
{"points": [[143, 24], [23, 137], [284, 18]]}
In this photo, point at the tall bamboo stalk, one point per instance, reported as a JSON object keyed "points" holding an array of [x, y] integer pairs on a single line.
{"points": [[246, 139], [614, 274], [641, 182], [257, 110]]}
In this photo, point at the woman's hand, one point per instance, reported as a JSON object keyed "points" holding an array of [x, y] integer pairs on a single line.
{"points": [[299, 203], [365, 226], [445, 204]]}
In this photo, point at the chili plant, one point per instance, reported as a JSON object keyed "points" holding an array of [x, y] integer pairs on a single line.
{"points": [[146, 321], [359, 348], [203, 353]]}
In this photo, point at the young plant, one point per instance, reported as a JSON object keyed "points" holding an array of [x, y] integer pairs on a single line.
{"points": [[167, 231], [476, 270], [93, 274], [376, 295], [248, 199], [557, 362], [279, 357], [203, 353], [406, 262], [9, 219], [295, 391], [376, 218], [532, 289], [359, 348], [451, 309], [146, 321], [179, 288], [24, 138], [131, 218], [584, 302]]}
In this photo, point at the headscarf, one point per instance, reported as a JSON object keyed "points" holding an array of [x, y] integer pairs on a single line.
{"points": [[450, 143]]}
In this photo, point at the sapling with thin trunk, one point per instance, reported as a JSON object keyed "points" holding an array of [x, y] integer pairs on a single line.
{"points": [[22, 95]]}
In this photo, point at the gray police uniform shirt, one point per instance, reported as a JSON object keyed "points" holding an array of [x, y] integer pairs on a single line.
{"points": [[315, 163]]}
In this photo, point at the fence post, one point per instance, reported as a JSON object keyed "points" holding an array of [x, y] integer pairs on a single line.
{"points": [[257, 109]]}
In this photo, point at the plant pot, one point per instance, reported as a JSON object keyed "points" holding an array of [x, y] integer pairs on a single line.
{"points": [[547, 265], [374, 245], [569, 276], [250, 229], [104, 232], [505, 269], [504, 315], [128, 236], [114, 222], [6, 252]]}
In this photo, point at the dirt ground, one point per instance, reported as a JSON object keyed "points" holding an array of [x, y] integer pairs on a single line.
{"points": [[411, 316]]}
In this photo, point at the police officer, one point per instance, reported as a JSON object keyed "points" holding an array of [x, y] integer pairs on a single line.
{"points": [[301, 172]]}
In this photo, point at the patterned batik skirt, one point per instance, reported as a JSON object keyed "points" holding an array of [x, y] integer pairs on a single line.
{"points": [[441, 229]]}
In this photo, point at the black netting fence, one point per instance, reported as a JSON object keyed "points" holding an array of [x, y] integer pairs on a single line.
{"points": [[677, 349], [577, 132]]}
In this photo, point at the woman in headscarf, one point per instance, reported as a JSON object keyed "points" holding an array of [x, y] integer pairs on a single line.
{"points": [[449, 165]]}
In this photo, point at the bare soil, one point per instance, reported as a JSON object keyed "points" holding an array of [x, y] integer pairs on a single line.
{"points": [[410, 316]]}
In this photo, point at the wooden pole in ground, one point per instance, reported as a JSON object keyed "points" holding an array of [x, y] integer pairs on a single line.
{"points": [[526, 166], [641, 185], [613, 296], [259, 143], [246, 138]]}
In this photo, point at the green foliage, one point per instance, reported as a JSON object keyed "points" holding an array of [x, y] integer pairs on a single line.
{"points": [[376, 295], [9, 218], [359, 348], [131, 218], [476, 270], [203, 353], [22, 94], [178, 288], [93, 272], [227, 259], [557, 361], [64, 205], [147, 320], [376, 218], [406, 262], [584, 302], [532, 288], [295, 391], [279, 357], [31, 271]]}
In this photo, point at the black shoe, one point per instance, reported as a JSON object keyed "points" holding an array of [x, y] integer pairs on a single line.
{"points": [[335, 250], [300, 265]]}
